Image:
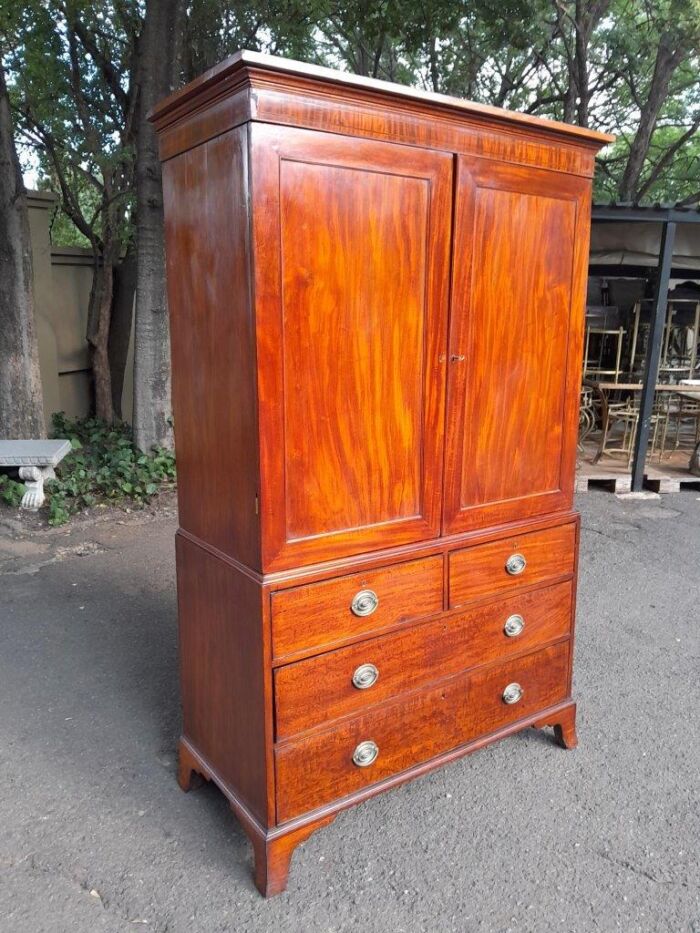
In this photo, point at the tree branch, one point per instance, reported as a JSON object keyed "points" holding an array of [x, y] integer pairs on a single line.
{"points": [[691, 199], [110, 73], [667, 157]]}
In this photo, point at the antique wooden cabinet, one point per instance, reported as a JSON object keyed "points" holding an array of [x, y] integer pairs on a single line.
{"points": [[376, 299]]}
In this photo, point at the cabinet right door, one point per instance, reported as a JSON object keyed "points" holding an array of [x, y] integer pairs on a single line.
{"points": [[516, 327]]}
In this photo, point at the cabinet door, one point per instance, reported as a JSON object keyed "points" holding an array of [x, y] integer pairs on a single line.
{"points": [[520, 260], [351, 244]]}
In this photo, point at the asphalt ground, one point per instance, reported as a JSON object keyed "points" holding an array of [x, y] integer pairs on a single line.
{"points": [[95, 833]]}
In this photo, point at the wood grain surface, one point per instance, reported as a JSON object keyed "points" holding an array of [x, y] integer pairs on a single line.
{"points": [[481, 570], [320, 689], [311, 771], [222, 672], [309, 618], [275, 90], [212, 345], [351, 283], [517, 312]]}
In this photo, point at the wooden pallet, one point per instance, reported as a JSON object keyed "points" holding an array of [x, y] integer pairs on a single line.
{"points": [[614, 483], [610, 477], [666, 477], [669, 478]]}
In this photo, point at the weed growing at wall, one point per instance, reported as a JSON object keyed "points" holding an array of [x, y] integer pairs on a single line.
{"points": [[11, 491], [104, 466]]}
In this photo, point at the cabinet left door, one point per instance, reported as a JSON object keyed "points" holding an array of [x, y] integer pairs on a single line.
{"points": [[351, 245]]}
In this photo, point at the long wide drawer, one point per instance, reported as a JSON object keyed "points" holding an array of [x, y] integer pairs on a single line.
{"points": [[321, 614], [511, 563], [349, 679], [338, 761]]}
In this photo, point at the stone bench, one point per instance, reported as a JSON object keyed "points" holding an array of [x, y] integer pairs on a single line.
{"points": [[36, 461]]}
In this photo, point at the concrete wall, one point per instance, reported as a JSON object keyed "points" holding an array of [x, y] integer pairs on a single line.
{"points": [[62, 283], [41, 206]]}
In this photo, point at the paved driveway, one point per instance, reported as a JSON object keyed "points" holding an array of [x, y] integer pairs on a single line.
{"points": [[96, 835]]}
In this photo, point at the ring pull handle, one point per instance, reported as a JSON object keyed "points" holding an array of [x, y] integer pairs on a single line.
{"points": [[365, 754], [514, 626], [515, 564], [365, 676], [364, 603], [513, 693]]}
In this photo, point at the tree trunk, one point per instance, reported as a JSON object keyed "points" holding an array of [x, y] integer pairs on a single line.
{"points": [[669, 56], [158, 66], [21, 397], [99, 319], [434, 65], [120, 329], [581, 39]]}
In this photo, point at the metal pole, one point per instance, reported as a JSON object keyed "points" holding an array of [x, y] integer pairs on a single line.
{"points": [[653, 354]]}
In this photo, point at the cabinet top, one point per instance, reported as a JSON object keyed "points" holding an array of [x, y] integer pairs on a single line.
{"points": [[260, 73]]}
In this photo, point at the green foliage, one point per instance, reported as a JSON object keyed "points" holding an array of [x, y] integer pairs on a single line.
{"points": [[69, 66], [73, 71], [11, 492], [217, 28], [104, 466], [592, 63], [63, 231]]}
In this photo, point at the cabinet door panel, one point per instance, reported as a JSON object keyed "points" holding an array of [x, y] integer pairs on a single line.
{"points": [[520, 249], [351, 243]]}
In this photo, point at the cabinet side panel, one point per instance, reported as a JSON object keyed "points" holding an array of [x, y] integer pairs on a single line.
{"points": [[222, 671], [212, 344]]}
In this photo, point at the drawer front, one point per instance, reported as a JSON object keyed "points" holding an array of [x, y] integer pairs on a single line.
{"points": [[320, 614], [319, 768], [348, 680], [511, 563]]}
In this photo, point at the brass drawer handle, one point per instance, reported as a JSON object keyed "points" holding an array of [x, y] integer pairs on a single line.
{"points": [[514, 625], [365, 754], [365, 676], [513, 694], [515, 564], [364, 603]]}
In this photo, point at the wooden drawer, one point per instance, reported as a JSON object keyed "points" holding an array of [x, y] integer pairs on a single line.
{"points": [[321, 614], [317, 769], [482, 570], [321, 688]]}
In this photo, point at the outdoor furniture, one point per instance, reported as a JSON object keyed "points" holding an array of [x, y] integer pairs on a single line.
{"points": [[36, 461], [669, 217], [605, 338], [627, 413], [598, 368], [586, 415], [593, 410], [680, 340], [686, 413]]}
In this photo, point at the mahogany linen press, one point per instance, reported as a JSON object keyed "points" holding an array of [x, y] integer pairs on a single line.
{"points": [[377, 303]]}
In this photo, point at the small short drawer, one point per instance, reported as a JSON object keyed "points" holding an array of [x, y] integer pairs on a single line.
{"points": [[328, 613], [327, 765], [499, 566], [348, 680]]}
